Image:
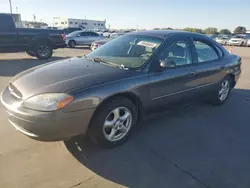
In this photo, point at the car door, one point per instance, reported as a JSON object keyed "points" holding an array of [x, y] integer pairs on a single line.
{"points": [[172, 85], [81, 38], [210, 67], [93, 37], [8, 34]]}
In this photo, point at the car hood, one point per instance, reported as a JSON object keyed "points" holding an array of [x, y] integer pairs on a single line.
{"points": [[65, 76]]}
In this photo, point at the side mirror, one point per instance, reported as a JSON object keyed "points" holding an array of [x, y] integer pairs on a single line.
{"points": [[167, 64], [78, 35]]}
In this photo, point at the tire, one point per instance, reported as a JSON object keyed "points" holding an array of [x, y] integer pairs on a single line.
{"points": [[113, 112], [218, 98], [72, 44], [43, 50], [31, 53]]}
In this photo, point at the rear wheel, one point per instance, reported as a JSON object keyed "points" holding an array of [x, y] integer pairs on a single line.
{"points": [[113, 122], [72, 44], [43, 50], [222, 93]]}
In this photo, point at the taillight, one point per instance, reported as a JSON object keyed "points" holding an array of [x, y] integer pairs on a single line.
{"points": [[63, 36]]}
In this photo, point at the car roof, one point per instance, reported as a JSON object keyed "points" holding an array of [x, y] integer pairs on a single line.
{"points": [[165, 33]]}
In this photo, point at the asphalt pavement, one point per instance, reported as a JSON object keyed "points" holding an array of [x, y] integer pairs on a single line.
{"points": [[193, 147]]}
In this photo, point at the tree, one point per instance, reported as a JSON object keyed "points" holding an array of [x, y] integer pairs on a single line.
{"points": [[240, 30], [156, 28], [211, 30], [194, 30], [168, 28], [225, 32]]}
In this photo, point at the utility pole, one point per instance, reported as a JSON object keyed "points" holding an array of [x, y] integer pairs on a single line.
{"points": [[34, 17], [17, 10], [10, 7]]}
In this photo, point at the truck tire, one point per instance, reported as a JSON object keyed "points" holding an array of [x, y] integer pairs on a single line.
{"points": [[43, 50], [31, 53]]}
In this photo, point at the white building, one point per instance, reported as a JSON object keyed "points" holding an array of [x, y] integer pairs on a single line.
{"points": [[61, 22]]}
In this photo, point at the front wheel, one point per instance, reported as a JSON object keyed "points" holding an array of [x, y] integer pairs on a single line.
{"points": [[44, 51], [113, 122], [222, 93]]}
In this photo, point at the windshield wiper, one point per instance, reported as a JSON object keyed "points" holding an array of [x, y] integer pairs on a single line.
{"points": [[98, 59]]}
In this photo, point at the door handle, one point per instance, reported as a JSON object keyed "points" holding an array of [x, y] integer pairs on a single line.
{"points": [[193, 73]]}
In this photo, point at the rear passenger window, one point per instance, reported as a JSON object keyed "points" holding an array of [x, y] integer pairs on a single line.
{"points": [[205, 52]]}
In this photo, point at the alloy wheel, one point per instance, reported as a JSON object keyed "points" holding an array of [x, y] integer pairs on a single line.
{"points": [[224, 91], [72, 44], [43, 51], [117, 124]]}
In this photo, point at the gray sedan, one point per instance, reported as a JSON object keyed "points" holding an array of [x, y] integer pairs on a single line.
{"points": [[106, 92], [82, 38]]}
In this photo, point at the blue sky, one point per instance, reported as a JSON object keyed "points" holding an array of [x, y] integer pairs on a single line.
{"points": [[147, 14]]}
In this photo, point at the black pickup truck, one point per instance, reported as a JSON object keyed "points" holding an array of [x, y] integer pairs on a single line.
{"points": [[38, 43]]}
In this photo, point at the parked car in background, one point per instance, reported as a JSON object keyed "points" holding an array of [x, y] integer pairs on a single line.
{"points": [[71, 29], [38, 43], [212, 36], [104, 93], [115, 35], [248, 43], [82, 38], [222, 40], [52, 28], [239, 40], [99, 43]]}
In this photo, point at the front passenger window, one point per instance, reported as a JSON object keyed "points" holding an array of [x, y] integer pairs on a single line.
{"points": [[178, 53], [83, 34]]}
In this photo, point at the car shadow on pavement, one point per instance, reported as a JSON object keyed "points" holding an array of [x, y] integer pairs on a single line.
{"points": [[11, 67], [197, 146]]}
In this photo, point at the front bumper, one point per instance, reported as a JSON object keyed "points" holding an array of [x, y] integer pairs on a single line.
{"points": [[234, 43], [45, 126]]}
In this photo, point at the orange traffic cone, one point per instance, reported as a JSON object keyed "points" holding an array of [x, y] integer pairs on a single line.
{"points": [[230, 50]]}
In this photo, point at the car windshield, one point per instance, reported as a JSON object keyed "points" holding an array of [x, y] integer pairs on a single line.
{"points": [[130, 51], [73, 34], [239, 37]]}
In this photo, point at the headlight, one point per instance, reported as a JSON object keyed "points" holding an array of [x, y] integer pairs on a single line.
{"points": [[48, 101]]}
